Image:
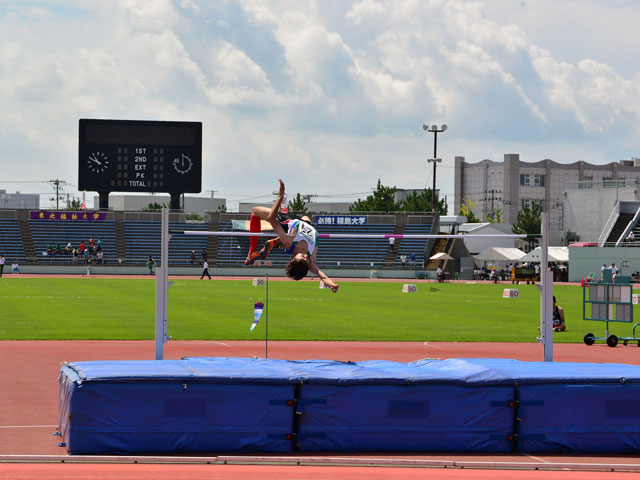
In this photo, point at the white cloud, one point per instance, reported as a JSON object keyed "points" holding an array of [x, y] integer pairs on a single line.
{"points": [[331, 95]]}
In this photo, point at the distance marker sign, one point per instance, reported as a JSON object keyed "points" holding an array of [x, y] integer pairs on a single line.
{"points": [[140, 156]]}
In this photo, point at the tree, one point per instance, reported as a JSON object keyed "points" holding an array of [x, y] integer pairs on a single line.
{"points": [[297, 204], [382, 200], [74, 204], [528, 223], [421, 202], [154, 207], [494, 216], [222, 208], [466, 209]]}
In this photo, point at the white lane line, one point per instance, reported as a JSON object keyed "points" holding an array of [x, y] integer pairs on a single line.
{"points": [[542, 460]]}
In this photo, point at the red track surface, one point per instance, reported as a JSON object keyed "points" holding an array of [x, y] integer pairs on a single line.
{"points": [[29, 409]]}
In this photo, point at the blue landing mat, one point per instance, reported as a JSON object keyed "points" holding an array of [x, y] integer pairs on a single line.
{"points": [[234, 405]]}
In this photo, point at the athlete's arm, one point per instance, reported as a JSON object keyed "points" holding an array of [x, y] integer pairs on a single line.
{"points": [[313, 268]]}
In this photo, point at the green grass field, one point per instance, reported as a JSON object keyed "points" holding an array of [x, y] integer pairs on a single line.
{"points": [[99, 308]]}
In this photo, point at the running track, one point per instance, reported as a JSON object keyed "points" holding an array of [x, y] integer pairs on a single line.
{"points": [[28, 415]]}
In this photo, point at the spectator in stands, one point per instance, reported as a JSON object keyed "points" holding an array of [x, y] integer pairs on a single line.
{"points": [[413, 259], [49, 249], [67, 249], [192, 259], [151, 263], [75, 253], [99, 256], [98, 245], [15, 268], [392, 243], [604, 267], [82, 248], [558, 317], [2, 261], [204, 255], [86, 256], [614, 271], [403, 260], [631, 237], [300, 241], [205, 270]]}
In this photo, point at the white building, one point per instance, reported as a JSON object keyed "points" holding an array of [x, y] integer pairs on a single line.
{"points": [[139, 202], [512, 185], [19, 200], [477, 245]]}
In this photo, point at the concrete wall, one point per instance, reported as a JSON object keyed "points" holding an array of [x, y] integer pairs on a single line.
{"points": [[585, 260], [81, 270], [586, 210]]}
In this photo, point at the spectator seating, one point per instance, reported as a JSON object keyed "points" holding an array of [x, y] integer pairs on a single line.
{"points": [[57, 232], [353, 252], [415, 245], [11, 245], [143, 238]]}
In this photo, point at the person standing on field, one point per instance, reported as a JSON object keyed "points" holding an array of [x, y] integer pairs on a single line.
{"points": [[205, 270], [150, 264]]}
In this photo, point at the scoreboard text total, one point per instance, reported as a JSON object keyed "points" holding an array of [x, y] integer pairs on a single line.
{"points": [[140, 156]]}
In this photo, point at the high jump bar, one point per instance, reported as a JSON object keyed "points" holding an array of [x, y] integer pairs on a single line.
{"points": [[344, 235]]}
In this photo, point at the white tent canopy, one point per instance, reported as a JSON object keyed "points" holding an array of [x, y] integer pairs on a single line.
{"points": [[441, 256], [554, 254], [500, 254]]}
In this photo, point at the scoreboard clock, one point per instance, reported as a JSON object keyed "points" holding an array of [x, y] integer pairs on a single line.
{"points": [[140, 156]]}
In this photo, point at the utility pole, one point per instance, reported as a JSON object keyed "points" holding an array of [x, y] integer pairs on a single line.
{"points": [[58, 185]]}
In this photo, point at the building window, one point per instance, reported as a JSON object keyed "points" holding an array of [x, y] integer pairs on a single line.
{"points": [[587, 182], [528, 203], [531, 180], [607, 182]]}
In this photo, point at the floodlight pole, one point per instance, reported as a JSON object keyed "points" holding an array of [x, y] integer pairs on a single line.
{"points": [[435, 130], [162, 287]]}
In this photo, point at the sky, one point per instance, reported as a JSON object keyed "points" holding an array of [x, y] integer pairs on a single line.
{"points": [[328, 95]]}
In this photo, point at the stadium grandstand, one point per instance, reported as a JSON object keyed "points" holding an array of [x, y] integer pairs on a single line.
{"points": [[128, 238]]}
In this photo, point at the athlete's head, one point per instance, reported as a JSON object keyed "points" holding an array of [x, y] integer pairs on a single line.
{"points": [[297, 267]]}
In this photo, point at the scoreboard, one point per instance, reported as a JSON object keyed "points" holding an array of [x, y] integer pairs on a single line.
{"points": [[140, 156]]}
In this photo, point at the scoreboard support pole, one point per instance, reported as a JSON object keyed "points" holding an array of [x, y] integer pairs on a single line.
{"points": [[162, 288]]}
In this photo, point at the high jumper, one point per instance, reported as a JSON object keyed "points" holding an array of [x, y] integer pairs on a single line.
{"points": [[300, 241]]}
